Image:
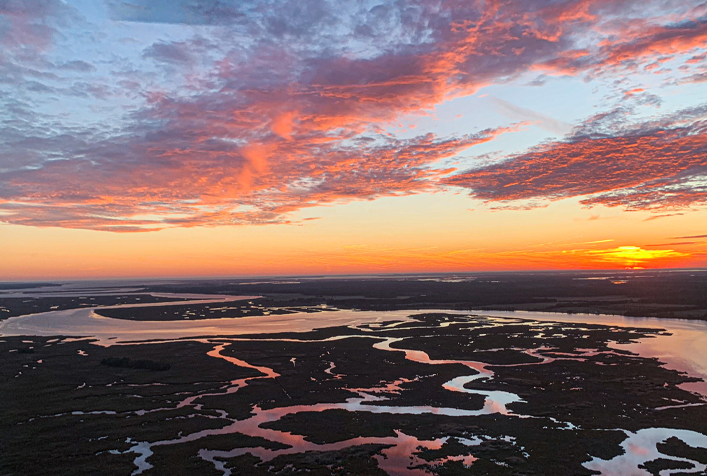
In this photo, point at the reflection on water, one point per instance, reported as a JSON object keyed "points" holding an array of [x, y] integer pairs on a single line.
{"points": [[683, 347], [495, 402], [398, 459], [640, 447], [85, 322]]}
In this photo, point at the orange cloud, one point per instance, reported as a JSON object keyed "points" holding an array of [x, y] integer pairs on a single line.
{"points": [[283, 124], [652, 165], [255, 184]]}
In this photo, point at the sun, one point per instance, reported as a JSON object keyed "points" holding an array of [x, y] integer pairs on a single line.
{"points": [[634, 256]]}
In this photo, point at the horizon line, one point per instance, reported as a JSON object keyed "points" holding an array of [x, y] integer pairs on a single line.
{"points": [[335, 276]]}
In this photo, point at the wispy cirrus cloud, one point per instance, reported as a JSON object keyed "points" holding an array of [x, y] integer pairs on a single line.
{"points": [[522, 114], [689, 237], [270, 107], [662, 215]]}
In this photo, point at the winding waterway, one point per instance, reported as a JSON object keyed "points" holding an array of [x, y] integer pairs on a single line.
{"points": [[682, 347]]}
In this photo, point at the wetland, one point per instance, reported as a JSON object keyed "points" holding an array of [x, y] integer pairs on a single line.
{"points": [[281, 386]]}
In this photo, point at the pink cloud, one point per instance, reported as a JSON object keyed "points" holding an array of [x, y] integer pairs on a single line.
{"points": [[298, 116], [654, 165]]}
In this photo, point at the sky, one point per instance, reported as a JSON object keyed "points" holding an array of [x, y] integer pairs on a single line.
{"points": [[145, 138]]}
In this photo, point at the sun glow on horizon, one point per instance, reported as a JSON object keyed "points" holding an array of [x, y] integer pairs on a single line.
{"points": [[634, 256], [355, 240]]}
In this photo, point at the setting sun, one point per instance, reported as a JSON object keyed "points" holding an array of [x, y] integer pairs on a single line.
{"points": [[631, 256]]}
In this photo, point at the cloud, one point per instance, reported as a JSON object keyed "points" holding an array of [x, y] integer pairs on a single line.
{"points": [[31, 25], [168, 53], [634, 42], [78, 66], [664, 215], [655, 164], [227, 184], [200, 12], [688, 237], [269, 107]]}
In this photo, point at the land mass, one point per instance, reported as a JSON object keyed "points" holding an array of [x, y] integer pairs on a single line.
{"points": [[663, 294], [442, 393], [71, 406]]}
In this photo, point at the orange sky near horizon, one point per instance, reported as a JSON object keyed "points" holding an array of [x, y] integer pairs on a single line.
{"points": [[351, 239]]}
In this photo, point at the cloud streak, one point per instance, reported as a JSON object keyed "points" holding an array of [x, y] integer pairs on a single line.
{"points": [[522, 114]]}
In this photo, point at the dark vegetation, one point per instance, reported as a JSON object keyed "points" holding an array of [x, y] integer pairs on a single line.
{"points": [[668, 294], [675, 447], [220, 310], [10, 286], [353, 461], [19, 306], [134, 364], [660, 464]]}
